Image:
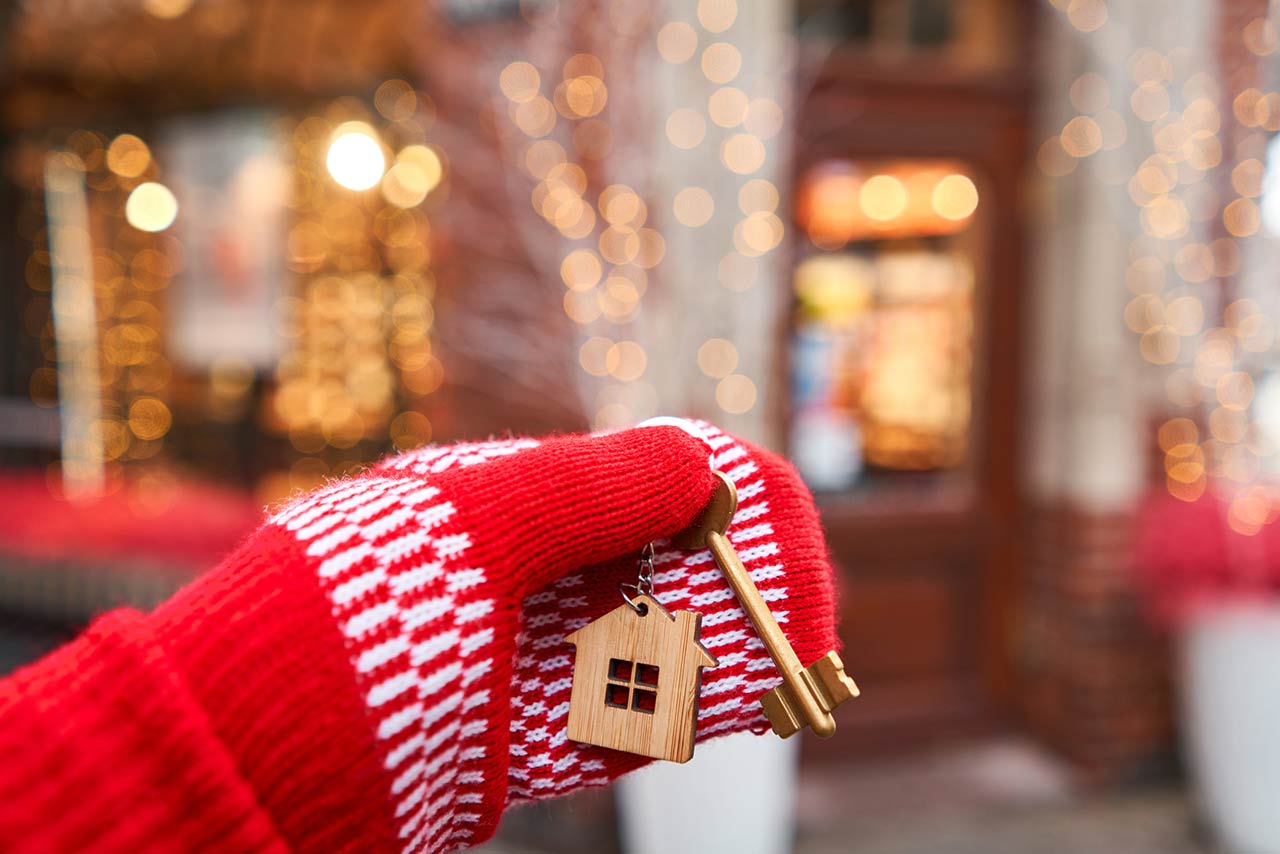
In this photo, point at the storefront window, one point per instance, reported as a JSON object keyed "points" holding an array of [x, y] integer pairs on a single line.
{"points": [[882, 338]]}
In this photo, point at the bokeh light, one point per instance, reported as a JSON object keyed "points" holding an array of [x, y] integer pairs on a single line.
{"points": [[128, 156], [721, 62], [677, 42], [686, 128], [717, 357], [693, 206], [736, 394], [716, 16], [151, 207], [355, 159], [955, 197]]}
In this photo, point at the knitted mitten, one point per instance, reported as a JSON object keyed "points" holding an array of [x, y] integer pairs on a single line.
{"points": [[384, 661]]}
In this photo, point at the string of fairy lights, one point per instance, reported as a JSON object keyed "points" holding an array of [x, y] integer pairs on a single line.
{"points": [[130, 276], [1196, 195], [612, 240], [355, 314]]}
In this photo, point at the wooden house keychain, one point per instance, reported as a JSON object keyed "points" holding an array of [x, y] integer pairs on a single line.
{"points": [[638, 669], [637, 675]]}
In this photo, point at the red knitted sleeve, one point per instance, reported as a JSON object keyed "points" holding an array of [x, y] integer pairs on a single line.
{"points": [[103, 748], [382, 667]]}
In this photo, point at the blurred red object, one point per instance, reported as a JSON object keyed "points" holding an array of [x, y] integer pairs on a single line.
{"points": [[159, 520], [1187, 557]]}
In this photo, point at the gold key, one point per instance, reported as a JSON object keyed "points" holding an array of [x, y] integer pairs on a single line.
{"points": [[807, 695]]}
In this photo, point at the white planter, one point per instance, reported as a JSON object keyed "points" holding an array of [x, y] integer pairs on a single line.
{"points": [[1231, 715], [736, 795]]}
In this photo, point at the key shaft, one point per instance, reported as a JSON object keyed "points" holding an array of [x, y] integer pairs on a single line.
{"points": [[771, 634]]}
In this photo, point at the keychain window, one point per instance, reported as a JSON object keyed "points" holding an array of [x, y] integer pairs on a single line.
{"points": [[632, 685]]}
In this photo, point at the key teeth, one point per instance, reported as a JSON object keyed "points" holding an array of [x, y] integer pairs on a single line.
{"points": [[830, 684], [785, 722], [836, 685]]}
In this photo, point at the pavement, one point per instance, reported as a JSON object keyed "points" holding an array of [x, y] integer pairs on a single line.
{"points": [[997, 797]]}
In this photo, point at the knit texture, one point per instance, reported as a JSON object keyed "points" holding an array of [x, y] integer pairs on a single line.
{"points": [[382, 667]]}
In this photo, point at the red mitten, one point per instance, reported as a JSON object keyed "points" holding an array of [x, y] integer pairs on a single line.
{"points": [[384, 665]]}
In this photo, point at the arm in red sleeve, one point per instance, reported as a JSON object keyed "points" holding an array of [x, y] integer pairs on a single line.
{"points": [[382, 666]]}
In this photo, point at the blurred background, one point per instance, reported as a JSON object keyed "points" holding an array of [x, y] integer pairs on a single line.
{"points": [[996, 274]]}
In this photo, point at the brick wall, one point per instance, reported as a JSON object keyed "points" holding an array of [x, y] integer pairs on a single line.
{"points": [[1098, 674]]}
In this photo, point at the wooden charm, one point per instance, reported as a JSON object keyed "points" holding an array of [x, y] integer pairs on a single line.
{"points": [[636, 679]]}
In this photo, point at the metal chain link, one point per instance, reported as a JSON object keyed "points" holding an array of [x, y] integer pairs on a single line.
{"points": [[643, 585]]}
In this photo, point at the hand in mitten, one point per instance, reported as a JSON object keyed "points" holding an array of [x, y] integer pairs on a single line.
{"points": [[384, 664]]}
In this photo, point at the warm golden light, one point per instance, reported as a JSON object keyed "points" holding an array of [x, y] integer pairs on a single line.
{"points": [[1260, 36], [1053, 159], [1241, 217], [355, 159], [1160, 345], [620, 205], [727, 106], [581, 270], [721, 62], [395, 100], [883, 197], [1235, 390], [583, 65], [736, 394], [619, 245], [757, 234], [1178, 433], [686, 128], [742, 153], [717, 358], [1150, 101], [677, 42], [536, 116], [519, 81], [1087, 15], [1246, 177], [581, 307], [1245, 107], [166, 9], [581, 97], [1081, 137], [541, 156], [1185, 316], [409, 430], [955, 197], [151, 207], [626, 361], [128, 156], [1089, 92], [757, 196], [764, 117], [416, 172], [653, 248], [593, 356], [149, 418], [693, 206], [737, 272], [716, 16]]}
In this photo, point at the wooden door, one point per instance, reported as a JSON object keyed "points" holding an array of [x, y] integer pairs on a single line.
{"points": [[923, 533]]}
